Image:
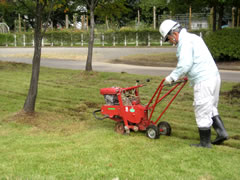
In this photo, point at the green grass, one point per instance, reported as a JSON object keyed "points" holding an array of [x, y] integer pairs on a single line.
{"points": [[62, 140]]}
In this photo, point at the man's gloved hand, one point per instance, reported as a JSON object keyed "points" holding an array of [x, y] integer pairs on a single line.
{"points": [[168, 80]]}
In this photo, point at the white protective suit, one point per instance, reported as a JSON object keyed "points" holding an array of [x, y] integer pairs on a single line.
{"points": [[196, 62]]}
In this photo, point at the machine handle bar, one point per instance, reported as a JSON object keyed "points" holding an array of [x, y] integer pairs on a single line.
{"points": [[176, 82], [133, 87]]}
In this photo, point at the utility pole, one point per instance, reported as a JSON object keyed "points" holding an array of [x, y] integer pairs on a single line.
{"points": [[190, 17], [233, 17], [19, 23], [154, 17], [83, 22], [75, 20], [138, 17], [66, 21], [87, 22], [238, 17]]}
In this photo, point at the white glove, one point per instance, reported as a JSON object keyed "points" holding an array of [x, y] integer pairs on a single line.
{"points": [[168, 80]]}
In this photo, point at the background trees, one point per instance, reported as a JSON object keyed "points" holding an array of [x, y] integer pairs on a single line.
{"points": [[7, 13], [111, 11], [118, 13], [151, 8]]}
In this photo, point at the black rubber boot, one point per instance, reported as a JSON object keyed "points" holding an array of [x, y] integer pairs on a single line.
{"points": [[220, 130], [205, 138]]}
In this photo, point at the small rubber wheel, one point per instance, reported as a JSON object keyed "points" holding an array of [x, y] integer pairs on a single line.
{"points": [[119, 127], [152, 132], [164, 128]]}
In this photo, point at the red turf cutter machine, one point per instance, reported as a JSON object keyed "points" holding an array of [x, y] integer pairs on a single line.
{"points": [[123, 106]]}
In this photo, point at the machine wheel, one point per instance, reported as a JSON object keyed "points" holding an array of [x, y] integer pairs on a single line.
{"points": [[164, 128], [152, 132], [119, 127]]}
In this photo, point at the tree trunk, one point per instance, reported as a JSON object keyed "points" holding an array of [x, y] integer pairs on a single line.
{"points": [[233, 17], [19, 23], [87, 23], [138, 17], [220, 18], [91, 41], [238, 17], [214, 18], [107, 25], [29, 105], [83, 22]]}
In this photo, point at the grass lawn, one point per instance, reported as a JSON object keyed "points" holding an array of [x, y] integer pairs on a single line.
{"points": [[62, 140]]}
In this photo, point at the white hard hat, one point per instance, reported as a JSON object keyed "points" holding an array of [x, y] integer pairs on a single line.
{"points": [[166, 27]]}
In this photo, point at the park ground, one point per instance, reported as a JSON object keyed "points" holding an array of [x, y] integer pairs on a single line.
{"points": [[62, 139]]}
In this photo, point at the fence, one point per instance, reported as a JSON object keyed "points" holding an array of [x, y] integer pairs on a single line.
{"points": [[198, 20], [60, 38], [102, 39]]}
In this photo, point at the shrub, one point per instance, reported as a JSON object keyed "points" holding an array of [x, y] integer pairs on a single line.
{"points": [[77, 38], [224, 44], [204, 32], [5, 39], [72, 37]]}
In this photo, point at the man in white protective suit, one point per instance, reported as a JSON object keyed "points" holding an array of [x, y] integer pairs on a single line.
{"points": [[196, 62]]}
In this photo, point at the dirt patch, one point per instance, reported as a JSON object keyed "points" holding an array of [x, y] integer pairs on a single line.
{"points": [[155, 60], [236, 137], [78, 113], [35, 119], [48, 122], [81, 108], [233, 96], [92, 105], [73, 56], [13, 65], [143, 62], [87, 74], [235, 92]]}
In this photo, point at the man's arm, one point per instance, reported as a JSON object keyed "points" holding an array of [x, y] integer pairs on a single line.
{"points": [[185, 61]]}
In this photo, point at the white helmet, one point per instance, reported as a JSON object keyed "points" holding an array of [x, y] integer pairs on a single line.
{"points": [[166, 27]]}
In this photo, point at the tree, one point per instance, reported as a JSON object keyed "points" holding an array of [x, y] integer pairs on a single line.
{"points": [[42, 10], [7, 13], [64, 7], [113, 10], [148, 6], [220, 14], [236, 5], [182, 6], [91, 4], [133, 5], [217, 8]]}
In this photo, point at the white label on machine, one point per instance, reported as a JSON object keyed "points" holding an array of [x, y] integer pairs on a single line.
{"points": [[126, 109]]}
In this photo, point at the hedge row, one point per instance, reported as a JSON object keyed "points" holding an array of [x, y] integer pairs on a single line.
{"points": [[224, 44], [67, 38], [75, 38]]}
